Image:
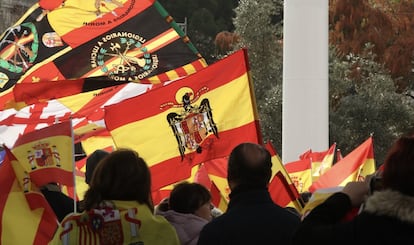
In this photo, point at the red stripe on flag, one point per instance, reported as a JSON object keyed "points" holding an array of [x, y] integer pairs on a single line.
{"points": [[281, 192], [48, 222], [36, 75], [199, 65], [202, 177], [46, 175], [7, 178], [217, 167], [215, 195], [61, 129], [298, 166], [162, 77], [181, 72], [32, 93]]}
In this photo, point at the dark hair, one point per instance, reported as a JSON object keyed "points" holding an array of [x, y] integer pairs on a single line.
{"points": [[188, 197], [399, 166], [91, 163], [306, 196], [249, 164], [122, 175]]}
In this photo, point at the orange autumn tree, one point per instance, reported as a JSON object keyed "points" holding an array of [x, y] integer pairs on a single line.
{"points": [[388, 25]]}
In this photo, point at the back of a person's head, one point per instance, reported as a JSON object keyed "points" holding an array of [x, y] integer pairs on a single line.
{"points": [[188, 197], [91, 163], [122, 175], [163, 206], [399, 166], [249, 164]]}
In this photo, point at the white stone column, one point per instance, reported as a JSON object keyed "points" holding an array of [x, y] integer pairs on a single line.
{"points": [[305, 78]]}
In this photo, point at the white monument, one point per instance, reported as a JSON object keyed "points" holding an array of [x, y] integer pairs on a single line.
{"points": [[305, 110]]}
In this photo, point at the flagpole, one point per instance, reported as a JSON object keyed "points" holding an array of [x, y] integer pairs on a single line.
{"points": [[311, 168], [73, 167]]}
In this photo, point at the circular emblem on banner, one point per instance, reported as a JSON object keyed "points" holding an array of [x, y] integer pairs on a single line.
{"points": [[123, 56]]}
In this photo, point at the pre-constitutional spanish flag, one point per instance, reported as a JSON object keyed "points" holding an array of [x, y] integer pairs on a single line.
{"points": [[25, 215], [353, 167], [47, 154], [200, 117], [121, 41]]}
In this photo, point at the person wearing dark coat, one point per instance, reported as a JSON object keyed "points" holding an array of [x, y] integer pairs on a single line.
{"points": [[91, 163], [61, 204], [387, 210], [251, 216]]}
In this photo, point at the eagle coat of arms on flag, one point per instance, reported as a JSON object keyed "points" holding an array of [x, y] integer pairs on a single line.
{"points": [[194, 123]]}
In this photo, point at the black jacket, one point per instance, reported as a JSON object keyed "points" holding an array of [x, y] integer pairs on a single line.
{"points": [[251, 218], [61, 204], [387, 218]]}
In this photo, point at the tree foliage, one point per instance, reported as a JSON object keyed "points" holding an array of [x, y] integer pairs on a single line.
{"points": [[387, 25], [261, 35], [363, 101], [363, 98], [205, 19]]}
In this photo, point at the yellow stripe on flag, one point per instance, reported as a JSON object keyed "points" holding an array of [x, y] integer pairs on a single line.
{"points": [[20, 223], [77, 101], [75, 14], [319, 167], [300, 174], [353, 167]]}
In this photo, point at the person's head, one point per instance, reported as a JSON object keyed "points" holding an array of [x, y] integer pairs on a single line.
{"points": [[191, 198], [122, 175], [398, 169], [249, 164], [91, 163], [163, 206], [305, 196]]}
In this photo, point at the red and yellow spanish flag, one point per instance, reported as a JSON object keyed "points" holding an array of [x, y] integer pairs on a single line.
{"points": [[217, 198], [47, 154], [160, 194], [26, 217], [353, 167], [206, 176], [190, 121], [282, 189], [217, 172], [320, 166], [300, 173]]}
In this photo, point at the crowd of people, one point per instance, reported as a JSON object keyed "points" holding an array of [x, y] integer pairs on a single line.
{"points": [[118, 209]]}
